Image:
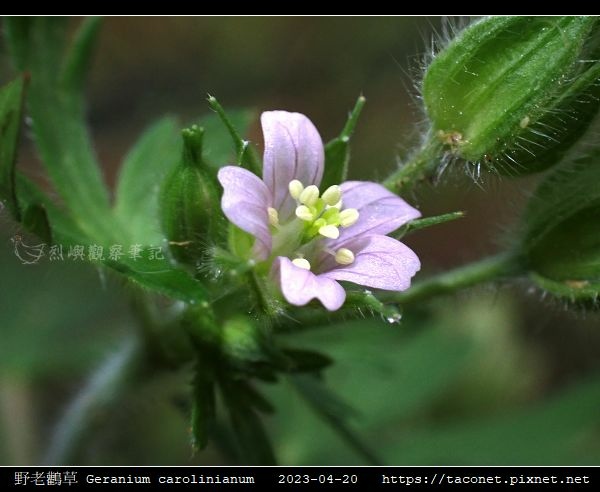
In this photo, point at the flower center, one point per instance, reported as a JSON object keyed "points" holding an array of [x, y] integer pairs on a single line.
{"points": [[317, 216]]}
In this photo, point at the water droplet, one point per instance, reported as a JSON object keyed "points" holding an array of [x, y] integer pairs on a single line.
{"points": [[394, 318]]}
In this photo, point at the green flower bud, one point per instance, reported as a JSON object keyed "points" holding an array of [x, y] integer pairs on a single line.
{"points": [[514, 93], [189, 201], [562, 234], [243, 341]]}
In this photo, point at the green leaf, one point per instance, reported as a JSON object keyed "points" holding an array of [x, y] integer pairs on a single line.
{"points": [[78, 59], [301, 360], [63, 228], [56, 107], [252, 439], [156, 274], [203, 406], [395, 372], [35, 219], [73, 333], [560, 431], [144, 168], [330, 408], [57, 111], [11, 105], [160, 276], [337, 151]]}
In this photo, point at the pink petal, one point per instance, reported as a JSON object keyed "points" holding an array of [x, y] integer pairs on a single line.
{"points": [[300, 286], [380, 262], [381, 211], [245, 202], [293, 150]]}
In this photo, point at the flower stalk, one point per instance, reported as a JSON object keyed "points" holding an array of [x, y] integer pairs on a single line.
{"points": [[486, 270]]}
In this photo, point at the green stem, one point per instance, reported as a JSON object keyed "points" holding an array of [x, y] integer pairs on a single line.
{"points": [[421, 165], [486, 270], [105, 386]]}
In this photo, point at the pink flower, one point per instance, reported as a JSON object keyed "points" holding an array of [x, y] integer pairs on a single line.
{"points": [[315, 238]]}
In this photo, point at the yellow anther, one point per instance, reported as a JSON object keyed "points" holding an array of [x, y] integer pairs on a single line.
{"points": [[329, 231], [296, 188], [344, 256], [273, 216], [332, 195], [304, 213], [309, 195], [348, 217], [301, 263]]}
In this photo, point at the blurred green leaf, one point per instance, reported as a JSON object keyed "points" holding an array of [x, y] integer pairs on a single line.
{"points": [[335, 412], [555, 432], [39, 46], [254, 445], [337, 151], [306, 360], [35, 219], [64, 229], [203, 406], [385, 373], [60, 327], [143, 170], [157, 274], [11, 105], [79, 56]]}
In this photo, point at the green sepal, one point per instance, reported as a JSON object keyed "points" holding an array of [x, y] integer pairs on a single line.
{"points": [[337, 151]]}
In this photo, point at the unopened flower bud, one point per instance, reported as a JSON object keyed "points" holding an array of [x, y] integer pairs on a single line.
{"points": [[514, 93], [189, 200]]}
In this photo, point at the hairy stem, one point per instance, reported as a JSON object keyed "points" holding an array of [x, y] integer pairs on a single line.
{"points": [[486, 270], [421, 165]]}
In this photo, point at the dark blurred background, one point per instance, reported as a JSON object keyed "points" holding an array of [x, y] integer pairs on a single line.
{"points": [[495, 375]]}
